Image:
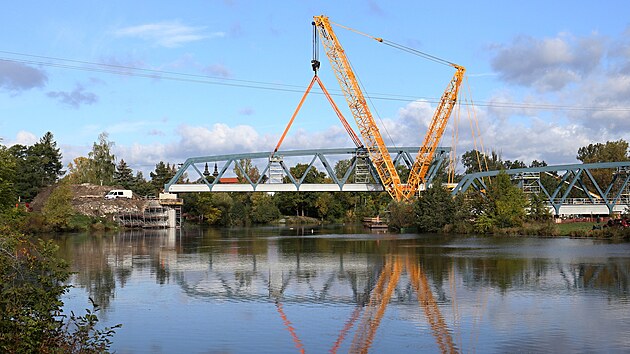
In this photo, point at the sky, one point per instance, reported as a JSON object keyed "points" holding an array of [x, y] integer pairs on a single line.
{"points": [[172, 80]]}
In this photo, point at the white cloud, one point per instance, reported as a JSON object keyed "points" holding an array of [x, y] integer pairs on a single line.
{"points": [[23, 138], [167, 34]]}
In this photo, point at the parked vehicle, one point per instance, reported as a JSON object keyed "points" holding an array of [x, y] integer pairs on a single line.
{"points": [[119, 193]]}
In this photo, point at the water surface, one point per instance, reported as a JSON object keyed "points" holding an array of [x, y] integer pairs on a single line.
{"points": [[288, 290]]}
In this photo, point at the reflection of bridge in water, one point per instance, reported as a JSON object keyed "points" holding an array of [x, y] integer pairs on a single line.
{"points": [[368, 277], [567, 189], [368, 282]]}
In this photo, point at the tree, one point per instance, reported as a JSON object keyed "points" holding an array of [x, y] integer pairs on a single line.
{"points": [[250, 170], [33, 281], [81, 170], [201, 205], [400, 214], [434, 209], [141, 186], [123, 175], [609, 152], [103, 161], [161, 175], [58, 208], [36, 166], [507, 202], [264, 210], [476, 161], [7, 178], [49, 156], [25, 184], [300, 203], [538, 209]]}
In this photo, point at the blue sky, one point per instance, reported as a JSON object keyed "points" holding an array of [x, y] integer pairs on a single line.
{"points": [[171, 80]]}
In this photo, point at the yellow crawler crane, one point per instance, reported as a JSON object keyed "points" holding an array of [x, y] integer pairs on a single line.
{"points": [[372, 139]]}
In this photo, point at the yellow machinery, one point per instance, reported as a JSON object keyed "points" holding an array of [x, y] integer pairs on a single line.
{"points": [[372, 139]]}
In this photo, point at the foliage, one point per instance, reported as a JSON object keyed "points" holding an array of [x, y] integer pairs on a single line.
{"points": [[103, 161], [58, 208], [161, 175], [507, 202], [537, 208], [7, 178], [141, 186], [80, 171], [477, 161], [609, 152], [246, 170], [401, 214], [264, 210], [36, 166], [30, 307], [123, 176], [201, 206], [434, 209]]}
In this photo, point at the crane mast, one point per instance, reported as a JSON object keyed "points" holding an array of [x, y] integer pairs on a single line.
{"points": [[372, 139]]}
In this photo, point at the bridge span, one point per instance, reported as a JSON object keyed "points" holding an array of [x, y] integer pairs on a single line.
{"points": [[569, 189], [275, 174]]}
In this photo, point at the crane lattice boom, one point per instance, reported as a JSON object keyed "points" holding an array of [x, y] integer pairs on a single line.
{"points": [[373, 141]]}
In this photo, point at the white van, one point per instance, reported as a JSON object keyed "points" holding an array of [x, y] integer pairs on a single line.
{"points": [[119, 193]]}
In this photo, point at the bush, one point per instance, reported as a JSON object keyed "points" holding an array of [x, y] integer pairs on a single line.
{"points": [[31, 320]]}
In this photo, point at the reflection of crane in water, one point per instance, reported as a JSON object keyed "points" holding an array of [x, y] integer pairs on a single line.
{"points": [[374, 310]]}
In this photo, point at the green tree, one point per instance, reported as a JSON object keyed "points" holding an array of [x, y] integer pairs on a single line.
{"points": [[161, 175], [434, 209], [49, 159], [58, 208], [609, 152], [477, 161], [141, 186], [201, 206], [103, 160], [25, 184], [401, 214], [250, 170], [36, 166], [32, 279], [300, 203], [341, 167], [507, 202], [264, 210], [538, 209], [7, 179], [123, 176], [81, 170]]}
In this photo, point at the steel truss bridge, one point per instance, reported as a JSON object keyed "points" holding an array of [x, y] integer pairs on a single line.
{"points": [[568, 189], [275, 175]]}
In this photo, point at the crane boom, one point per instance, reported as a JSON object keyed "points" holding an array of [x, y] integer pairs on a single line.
{"points": [[434, 134], [372, 139]]}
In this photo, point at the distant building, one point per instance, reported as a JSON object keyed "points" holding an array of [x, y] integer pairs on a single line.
{"points": [[228, 180]]}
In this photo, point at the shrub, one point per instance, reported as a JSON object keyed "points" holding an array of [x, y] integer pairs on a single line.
{"points": [[31, 284]]}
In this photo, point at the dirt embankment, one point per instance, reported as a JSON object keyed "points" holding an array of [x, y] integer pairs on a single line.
{"points": [[89, 199]]}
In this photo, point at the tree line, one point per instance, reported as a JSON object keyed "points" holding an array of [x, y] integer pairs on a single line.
{"points": [[25, 170]]}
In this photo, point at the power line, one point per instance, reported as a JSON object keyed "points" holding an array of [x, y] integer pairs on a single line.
{"points": [[124, 70]]}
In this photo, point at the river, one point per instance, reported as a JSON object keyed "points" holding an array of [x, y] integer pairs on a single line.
{"points": [[340, 289]]}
